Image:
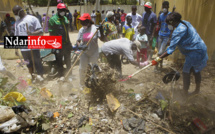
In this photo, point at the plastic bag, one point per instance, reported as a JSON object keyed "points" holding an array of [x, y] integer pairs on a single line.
{"points": [[14, 95]]}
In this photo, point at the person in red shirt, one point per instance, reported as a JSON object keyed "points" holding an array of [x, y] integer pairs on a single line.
{"points": [[123, 15]]}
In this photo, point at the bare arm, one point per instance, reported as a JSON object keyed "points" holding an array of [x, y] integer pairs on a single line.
{"points": [[165, 54], [134, 63], [38, 32]]}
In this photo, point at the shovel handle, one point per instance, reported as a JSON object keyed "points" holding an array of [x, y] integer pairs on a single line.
{"points": [[136, 72]]}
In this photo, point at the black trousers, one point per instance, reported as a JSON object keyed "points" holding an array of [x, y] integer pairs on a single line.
{"points": [[186, 80], [115, 62], [60, 54]]}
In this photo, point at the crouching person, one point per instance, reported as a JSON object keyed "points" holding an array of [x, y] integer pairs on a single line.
{"points": [[114, 48]]}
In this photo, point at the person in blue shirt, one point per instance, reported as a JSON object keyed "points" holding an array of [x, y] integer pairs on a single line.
{"points": [[190, 44], [164, 33], [69, 17]]}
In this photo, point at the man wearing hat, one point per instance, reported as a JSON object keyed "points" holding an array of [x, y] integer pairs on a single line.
{"points": [[149, 21], [123, 46], [58, 26]]}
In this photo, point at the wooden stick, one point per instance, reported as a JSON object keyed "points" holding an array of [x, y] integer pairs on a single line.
{"points": [[81, 53], [136, 72], [44, 25], [29, 4], [32, 56], [151, 122]]}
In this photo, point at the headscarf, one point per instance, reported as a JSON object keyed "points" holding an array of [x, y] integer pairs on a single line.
{"points": [[109, 14]]}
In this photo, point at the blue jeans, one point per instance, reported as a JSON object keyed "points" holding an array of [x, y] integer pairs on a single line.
{"points": [[162, 42]]}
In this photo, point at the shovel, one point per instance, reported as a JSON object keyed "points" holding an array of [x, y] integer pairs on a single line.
{"points": [[136, 72]]}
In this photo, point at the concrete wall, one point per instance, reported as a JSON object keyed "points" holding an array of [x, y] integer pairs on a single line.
{"points": [[89, 8], [201, 14], [6, 7]]}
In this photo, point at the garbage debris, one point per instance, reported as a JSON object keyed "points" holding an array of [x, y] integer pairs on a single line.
{"points": [[10, 126], [45, 93], [56, 114], [134, 125], [138, 97], [200, 125], [113, 103], [82, 121], [172, 76], [20, 109], [22, 83], [14, 96], [6, 113]]}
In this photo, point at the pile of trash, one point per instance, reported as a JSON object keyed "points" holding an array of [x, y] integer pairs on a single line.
{"points": [[101, 79], [106, 106]]}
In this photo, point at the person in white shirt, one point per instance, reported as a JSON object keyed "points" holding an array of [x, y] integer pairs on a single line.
{"points": [[136, 20], [34, 28], [143, 39], [103, 15], [123, 46], [93, 16]]}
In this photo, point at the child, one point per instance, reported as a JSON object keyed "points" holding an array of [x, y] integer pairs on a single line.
{"points": [[128, 29], [143, 39]]}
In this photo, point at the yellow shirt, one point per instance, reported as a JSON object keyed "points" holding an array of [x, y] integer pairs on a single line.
{"points": [[128, 31]]}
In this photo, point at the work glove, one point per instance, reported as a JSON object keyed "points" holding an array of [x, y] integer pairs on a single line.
{"points": [[142, 64], [82, 47], [99, 27], [75, 47], [156, 60]]}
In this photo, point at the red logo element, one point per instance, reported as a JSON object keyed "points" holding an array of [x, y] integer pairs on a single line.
{"points": [[44, 42]]}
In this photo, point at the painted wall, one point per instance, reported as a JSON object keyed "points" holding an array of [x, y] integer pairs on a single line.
{"points": [[6, 7], [201, 14]]}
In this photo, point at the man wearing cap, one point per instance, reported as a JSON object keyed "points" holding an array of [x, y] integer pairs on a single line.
{"points": [[149, 21], [58, 26], [136, 19], [123, 46]]}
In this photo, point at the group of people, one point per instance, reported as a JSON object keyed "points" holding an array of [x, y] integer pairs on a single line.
{"points": [[141, 33]]}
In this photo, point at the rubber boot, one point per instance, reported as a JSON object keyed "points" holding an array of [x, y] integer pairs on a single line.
{"points": [[186, 83], [198, 82]]}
